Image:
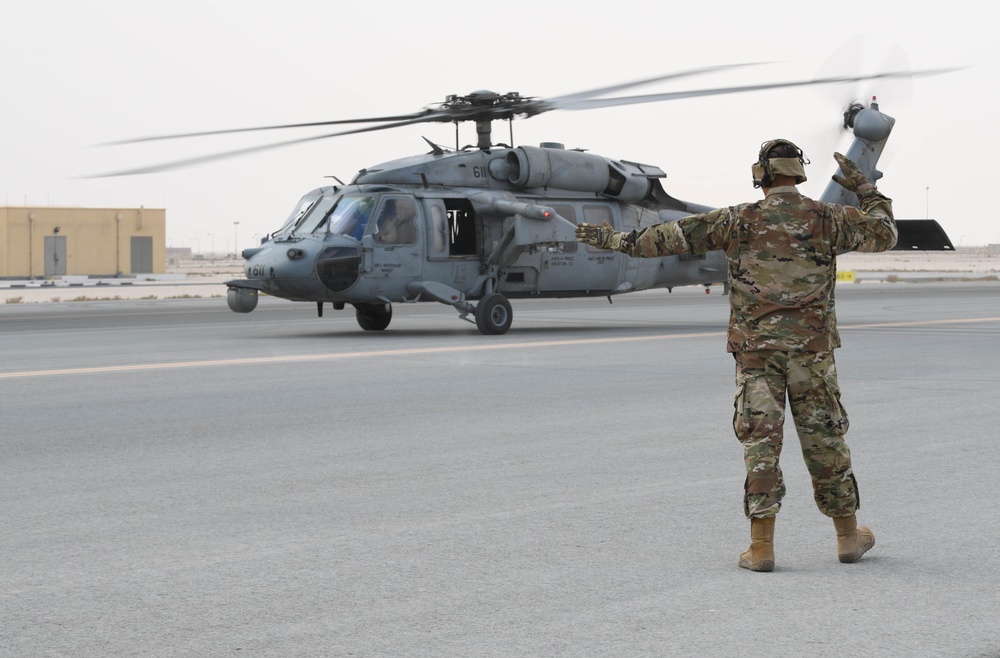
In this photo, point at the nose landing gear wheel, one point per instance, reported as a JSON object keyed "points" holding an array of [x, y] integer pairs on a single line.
{"points": [[493, 314], [373, 317]]}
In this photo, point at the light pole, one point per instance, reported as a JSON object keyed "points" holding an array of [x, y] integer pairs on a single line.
{"points": [[31, 248], [928, 202], [236, 247]]}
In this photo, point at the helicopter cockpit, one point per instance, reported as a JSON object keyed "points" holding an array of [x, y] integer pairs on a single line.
{"points": [[321, 214]]}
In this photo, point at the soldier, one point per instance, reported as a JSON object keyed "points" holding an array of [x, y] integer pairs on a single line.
{"points": [[782, 331]]}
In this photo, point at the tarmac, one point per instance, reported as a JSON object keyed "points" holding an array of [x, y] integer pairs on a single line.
{"points": [[177, 479]]}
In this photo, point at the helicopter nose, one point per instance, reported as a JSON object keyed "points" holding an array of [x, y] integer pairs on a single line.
{"points": [[287, 270], [307, 268]]}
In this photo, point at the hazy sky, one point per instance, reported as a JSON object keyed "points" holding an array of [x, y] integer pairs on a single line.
{"points": [[79, 74]]}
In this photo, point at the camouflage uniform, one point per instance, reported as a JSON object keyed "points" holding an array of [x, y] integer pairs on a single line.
{"points": [[782, 329]]}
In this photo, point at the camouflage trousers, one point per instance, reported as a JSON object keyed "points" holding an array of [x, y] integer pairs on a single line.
{"points": [[810, 381]]}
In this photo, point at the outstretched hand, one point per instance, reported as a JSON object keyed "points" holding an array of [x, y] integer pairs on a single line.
{"points": [[597, 236], [853, 178]]}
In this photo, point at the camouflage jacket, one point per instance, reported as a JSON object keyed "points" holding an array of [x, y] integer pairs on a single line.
{"points": [[782, 254]]}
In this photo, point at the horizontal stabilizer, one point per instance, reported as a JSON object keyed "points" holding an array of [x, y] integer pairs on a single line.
{"points": [[922, 234]]}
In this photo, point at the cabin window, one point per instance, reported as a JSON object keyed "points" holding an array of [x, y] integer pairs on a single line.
{"points": [[437, 227], [568, 213]]}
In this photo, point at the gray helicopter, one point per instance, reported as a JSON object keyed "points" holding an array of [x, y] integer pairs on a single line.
{"points": [[476, 226]]}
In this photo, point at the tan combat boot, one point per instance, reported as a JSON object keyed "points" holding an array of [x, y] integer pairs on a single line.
{"points": [[852, 541], [760, 555]]}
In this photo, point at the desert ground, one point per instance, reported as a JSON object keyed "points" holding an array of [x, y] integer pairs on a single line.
{"points": [[206, 278], [969, 260]]}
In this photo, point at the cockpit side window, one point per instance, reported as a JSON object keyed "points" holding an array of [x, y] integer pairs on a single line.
{"points": [[396, 222]]}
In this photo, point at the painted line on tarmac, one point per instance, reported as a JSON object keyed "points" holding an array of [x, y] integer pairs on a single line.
{"points": [[426, 350], [918, 323], [294, 358]]}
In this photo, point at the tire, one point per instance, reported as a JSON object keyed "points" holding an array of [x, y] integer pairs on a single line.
{"points": [[493, 314], [373, 317]]}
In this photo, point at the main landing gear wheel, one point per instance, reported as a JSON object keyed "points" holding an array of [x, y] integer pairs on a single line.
{"points": [[373, 317], [493, 314]]}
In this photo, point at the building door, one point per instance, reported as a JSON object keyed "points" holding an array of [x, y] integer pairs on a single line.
{"points": [[55, 255], [142, 254]]}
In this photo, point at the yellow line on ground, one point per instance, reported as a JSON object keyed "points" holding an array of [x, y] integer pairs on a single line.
{"points": [[293, 358]]}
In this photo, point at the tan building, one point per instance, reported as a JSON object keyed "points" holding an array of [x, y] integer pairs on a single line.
{"points": [[46, 241]]}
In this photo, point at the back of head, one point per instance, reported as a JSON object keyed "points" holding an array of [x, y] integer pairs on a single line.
{"points": [[405, 210], [778, 157]]}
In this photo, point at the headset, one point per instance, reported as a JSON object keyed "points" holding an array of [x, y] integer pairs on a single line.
{"points": [[765, 169]]}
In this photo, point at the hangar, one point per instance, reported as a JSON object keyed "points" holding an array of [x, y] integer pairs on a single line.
{"points": [[38, 242]]}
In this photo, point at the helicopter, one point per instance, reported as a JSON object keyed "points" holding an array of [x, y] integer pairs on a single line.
{"points": [[476, 226]]}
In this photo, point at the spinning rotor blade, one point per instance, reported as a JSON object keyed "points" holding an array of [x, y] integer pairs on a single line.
{"points": [[178, 164], [556, 103], [153, 138], [488, 107], [597, 103], [417, 117], [446, 112]]}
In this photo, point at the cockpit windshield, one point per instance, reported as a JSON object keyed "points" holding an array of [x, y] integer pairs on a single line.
{"points": [[301, 208], [316, 216], [346, 215], [351, 216]]}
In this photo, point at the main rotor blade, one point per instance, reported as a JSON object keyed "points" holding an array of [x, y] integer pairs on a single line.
{"points": [[597, 103], [423, 114], [446, 113], [179, 164], [581, 95], [153, 138]]}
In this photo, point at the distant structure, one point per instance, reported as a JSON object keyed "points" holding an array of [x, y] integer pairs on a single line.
{"points": [[176, 255], [53, 241]]}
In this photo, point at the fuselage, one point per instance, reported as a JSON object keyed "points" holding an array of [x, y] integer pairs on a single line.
{"points": [[466, 229]]}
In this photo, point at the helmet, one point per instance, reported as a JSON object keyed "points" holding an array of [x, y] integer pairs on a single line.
{"points": [[778, 157]]}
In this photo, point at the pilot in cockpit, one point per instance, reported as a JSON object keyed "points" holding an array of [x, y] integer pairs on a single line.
{"points": [[395, 223]]}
